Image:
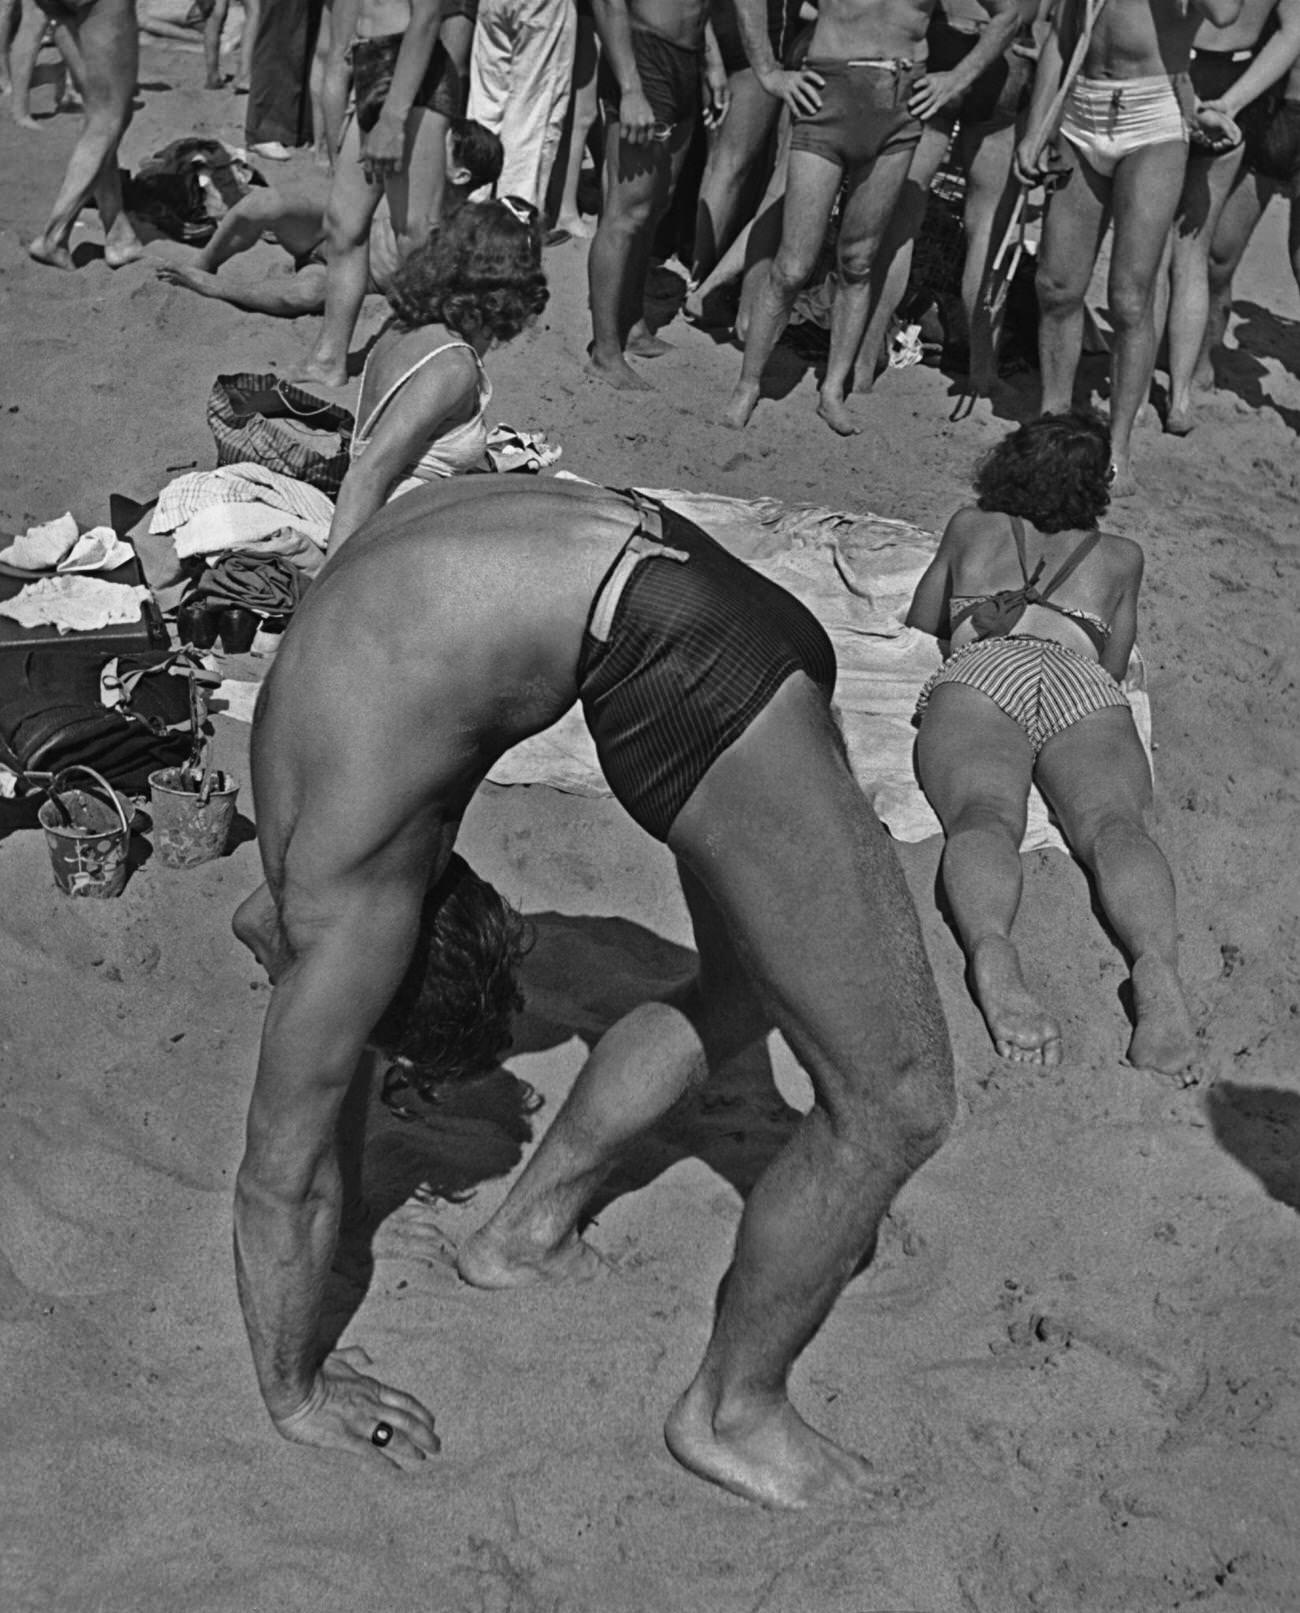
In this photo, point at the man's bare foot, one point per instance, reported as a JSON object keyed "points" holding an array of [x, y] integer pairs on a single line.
{"points": [[616, 370], [579, 228], [490, 1259], [184, 274], [836, 413], [741, 405], [1021, 1030], [769, 1455], [57, 257], [643, 343], [120, 251], [1123, 484], [324, 372], [1203, 376], [1164, 1039], [1179, 420]]}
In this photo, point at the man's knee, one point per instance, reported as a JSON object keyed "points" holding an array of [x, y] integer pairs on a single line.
{"points": [[907, 1104], [1058, 293], [1129, 302], [790, 270]]}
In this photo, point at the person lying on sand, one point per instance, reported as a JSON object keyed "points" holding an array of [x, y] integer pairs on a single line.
{"points": [[475, 284], [295, 219], [1039, 610], [462, 619]]}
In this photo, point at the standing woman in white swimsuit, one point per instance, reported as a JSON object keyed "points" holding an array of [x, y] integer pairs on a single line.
{"points": [[477, 282]]}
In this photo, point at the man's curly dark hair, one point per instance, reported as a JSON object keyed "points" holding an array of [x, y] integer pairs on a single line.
{"points": [[479, 272], [451, 1018], [1053, 472]]}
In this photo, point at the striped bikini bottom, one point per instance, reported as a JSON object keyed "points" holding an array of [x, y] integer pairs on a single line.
{"points": [[1038, 683]]}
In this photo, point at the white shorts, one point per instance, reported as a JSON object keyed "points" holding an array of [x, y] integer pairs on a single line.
{"points": [[1107, 119]]}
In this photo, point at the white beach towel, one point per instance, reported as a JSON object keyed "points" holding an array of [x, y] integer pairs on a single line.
{"points": [[75, 604]]}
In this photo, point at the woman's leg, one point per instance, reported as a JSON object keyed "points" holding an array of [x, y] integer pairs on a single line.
{"points": [[1096, 778], [990, 198], [975, 765], [1205, 190], [1241, 212], [252, 12], [351, 206], [24, 50], [735, 147]]}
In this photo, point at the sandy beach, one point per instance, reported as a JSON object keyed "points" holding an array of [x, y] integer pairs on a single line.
{"points": [[1075, 1359]]}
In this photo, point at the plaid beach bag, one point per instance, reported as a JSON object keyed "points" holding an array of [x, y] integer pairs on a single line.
{"points": [[269, 421]]}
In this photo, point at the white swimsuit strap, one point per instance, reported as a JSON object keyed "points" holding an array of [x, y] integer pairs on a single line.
{"points": [[368, 430]]}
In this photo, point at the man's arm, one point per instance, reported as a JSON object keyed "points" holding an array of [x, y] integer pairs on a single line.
{"points": [[346, 952], [614, 28], [801, 89], [1047, 81], [285, 298], [936, 90], [383, 148]]}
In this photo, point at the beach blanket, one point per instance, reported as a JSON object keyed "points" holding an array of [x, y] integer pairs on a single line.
{"points": [[856, 572]]}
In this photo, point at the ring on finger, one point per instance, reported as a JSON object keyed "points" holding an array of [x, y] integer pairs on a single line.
{"points": [[381, 1434]]}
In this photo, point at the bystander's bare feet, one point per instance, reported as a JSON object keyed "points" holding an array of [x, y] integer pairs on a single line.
{"points": [[492, 1259], [573, 224], [1123, 483], [834, 410], [57, 257], [1164, 1039], [27, 121], [643, 343], [1179, 421], [741, 405], [766, 1453], [324, 372], [1022, 1031], [616, 371]]}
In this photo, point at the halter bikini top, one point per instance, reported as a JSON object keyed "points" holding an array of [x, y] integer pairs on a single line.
{"points": [[996, 615], [458, 450]]}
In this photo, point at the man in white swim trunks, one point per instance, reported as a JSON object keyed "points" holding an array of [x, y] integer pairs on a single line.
{"points": [[1123, 147]]}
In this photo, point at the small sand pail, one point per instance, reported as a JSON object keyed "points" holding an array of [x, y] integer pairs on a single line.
{"points": [[88, 836], [191, 826]]}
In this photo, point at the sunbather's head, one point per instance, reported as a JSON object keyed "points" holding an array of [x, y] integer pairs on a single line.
{"points": [[479, 273], [452, 1016], [474, 156], [1053, 471]]}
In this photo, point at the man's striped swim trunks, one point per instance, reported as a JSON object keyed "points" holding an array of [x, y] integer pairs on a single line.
{"points": [[1037, 682], [684, 646]]}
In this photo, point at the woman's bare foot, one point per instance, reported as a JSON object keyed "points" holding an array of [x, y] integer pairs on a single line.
{"points": [[767, 1454], [57, 257], [741, 405], [1021, 1030], [1164, 1039], [184, 274], [490, 1259], [616, 370], [834, 410]]}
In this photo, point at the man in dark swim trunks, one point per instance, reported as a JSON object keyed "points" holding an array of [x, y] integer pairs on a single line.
{"points": [[707, 689], [659, 60], [858, 102]]}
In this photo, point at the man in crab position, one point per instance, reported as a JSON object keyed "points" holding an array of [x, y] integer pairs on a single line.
{"points": [[707, 690]]}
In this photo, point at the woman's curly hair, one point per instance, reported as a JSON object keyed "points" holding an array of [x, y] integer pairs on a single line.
{"points": [[451, 1018], [480, 271], [1053, 472]]}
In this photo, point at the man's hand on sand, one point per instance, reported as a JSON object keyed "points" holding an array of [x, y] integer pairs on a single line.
{"points": [[346, 1407], [931, 93], [801, 90], [383, 149]]}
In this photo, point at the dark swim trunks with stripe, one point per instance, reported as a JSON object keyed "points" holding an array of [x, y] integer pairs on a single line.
{"points": [[685, 645]]}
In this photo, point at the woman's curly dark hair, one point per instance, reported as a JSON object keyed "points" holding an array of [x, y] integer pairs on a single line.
{"points": [[1053, 471], [480, 271], [451, 1018]]}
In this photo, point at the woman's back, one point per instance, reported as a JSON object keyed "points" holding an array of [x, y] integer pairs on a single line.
{"points": [[427, 389]]}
